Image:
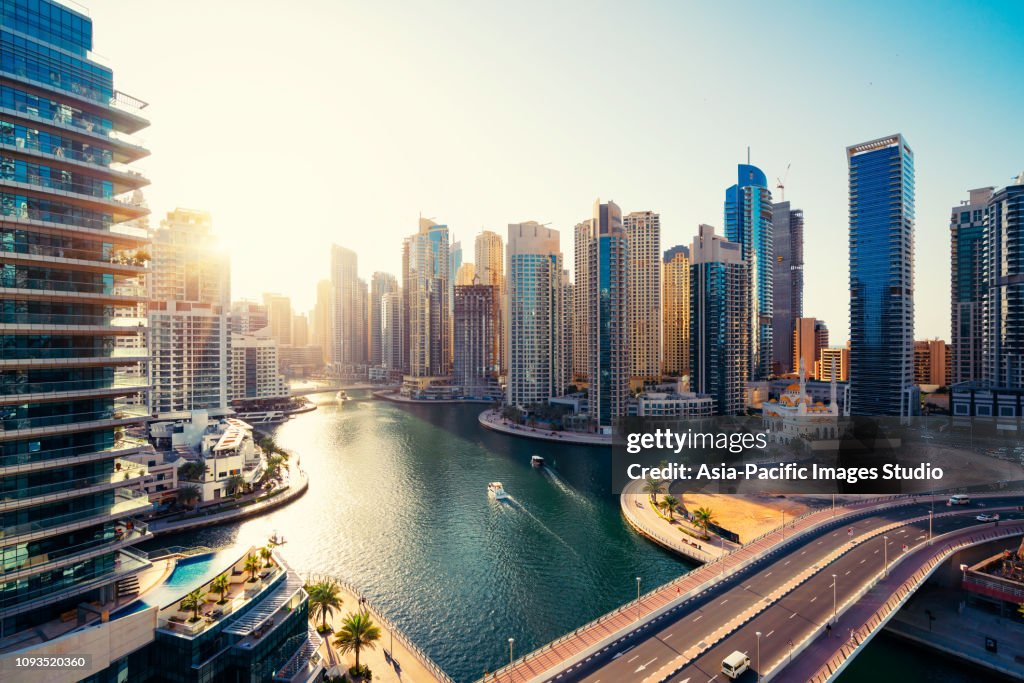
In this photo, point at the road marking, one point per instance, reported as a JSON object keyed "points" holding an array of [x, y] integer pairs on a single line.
{"points": [[724, 601], [792, 615], [804, 552], [787, 562], [876, 552], [635, 657], [847, 572], [699, 618], [644, 666], [665, 638], [863, 561], [814, 598], [768, 574], [769, 633]]}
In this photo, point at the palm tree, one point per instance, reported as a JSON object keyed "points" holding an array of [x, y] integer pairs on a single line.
{"points": [[188, 495], [234, 485], [356, 632], [252, 565], [193, 601], [221, 585], [704, 517], [670, 502], [324, 598], [273, 467], [654, 487], [265, 554]]}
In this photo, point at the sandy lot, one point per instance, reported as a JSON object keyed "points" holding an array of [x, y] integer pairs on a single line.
{"points": [[747, 515]]}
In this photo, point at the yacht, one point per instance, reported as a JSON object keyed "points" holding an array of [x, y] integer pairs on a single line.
{"points": [[537, 461], [496, 490]]}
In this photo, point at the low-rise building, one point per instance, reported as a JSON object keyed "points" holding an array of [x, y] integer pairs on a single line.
{"points": [[671, 404]]}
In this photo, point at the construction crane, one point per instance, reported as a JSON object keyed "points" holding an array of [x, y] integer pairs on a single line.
{"points": [[781, 184]]}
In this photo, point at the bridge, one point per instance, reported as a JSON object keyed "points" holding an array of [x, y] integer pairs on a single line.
{"points": [[782, 586]]}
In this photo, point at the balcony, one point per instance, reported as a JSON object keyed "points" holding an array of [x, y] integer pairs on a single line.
{"points": [[21, 427], [126, 206], [19, 463], [127, 532], [125, 148], [54, 358], [121, 108], [119, 385], [127, 503], [98, 163], [99, 228], [124, 472]]}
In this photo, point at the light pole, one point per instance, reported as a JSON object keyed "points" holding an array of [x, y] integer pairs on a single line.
{"points": [[783, 525], [758, 634], [638, 598], [510, 642], [833, 505], [931, 512], [885, 556], [833, 598]]}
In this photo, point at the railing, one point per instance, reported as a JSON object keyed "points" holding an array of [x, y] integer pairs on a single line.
{"points": [[996, 584], [130, 501], [20, 210], [117, 413], [419, 654], [26, 388], [305, 660], [61, 116], [42, 457], [112, 353], [41, 562], [51, 319], [99, 256], [125, 471], [70, 187]]}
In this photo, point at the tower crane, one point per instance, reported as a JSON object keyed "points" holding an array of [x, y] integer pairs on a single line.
{"points": [[781, 184]]}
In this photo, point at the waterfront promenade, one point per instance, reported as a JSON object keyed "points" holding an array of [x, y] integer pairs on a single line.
{"points": [[492, 419], [637, 511]]}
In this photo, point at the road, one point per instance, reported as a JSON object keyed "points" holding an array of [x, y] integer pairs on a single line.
{"points": [[639, 655]]}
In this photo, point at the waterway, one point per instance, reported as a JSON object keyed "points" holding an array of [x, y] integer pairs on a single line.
{"points": [[398, 507]]}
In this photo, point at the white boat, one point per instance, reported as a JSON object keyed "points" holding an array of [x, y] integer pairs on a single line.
{"points": [[342, 396], [277, 538], [496, 490], [537, 461]]}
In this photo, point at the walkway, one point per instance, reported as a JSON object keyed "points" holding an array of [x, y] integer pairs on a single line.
{"points": [[492, 419], [636, 508]]}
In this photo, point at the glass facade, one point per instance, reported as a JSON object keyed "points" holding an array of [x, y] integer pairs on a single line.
{"points": [[65, 265], [882, 278], [967, 286], [610, 358], [748, 222], [1004, 288], [788, 284]]}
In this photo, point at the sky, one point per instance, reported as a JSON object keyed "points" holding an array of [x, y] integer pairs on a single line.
{"points": [[306, 123]]}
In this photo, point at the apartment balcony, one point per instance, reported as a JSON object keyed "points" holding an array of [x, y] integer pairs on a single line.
{"points": [[119, 262], [66, 292], [127, 533], [49, 493], [28, 217], [127, 504], [93, 164], [127, 563], [124, 148], [70, 324], [68, 358], [47, 425], [122, 109], [122, 207], [20, 463], [14, 393]]}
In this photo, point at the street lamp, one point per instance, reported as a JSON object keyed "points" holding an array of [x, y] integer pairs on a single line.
{"points": [[783, 525], [833, 598], [510, 642], [885, 556], [638, 598], [758, 634], [833, 505], [931, 512]]}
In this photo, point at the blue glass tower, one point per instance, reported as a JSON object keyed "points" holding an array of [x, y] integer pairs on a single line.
{"points": [[608, 346], [748, 222], [882, 277], [66, 261], [1004, 287]]}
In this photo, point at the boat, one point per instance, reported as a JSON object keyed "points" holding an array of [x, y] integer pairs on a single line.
{"points": [[277, 538], [496, 490], [342, 396], [537, 461]]}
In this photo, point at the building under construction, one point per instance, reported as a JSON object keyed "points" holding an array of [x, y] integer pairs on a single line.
{"points": [[997, 582]]}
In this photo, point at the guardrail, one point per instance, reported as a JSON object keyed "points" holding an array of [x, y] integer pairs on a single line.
{"points": [[419, 654]]}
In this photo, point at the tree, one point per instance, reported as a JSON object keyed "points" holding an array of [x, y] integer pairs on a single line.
{"points": [[188, 495], [265, 554], [193, 601], [221, 585], [235, 485], [273, 468], [704, 517], [192, 471], [356, 632], [654, 487], [324, 598], [252, 565], [670, 502]]}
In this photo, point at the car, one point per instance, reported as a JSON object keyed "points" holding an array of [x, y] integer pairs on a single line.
{"points": [[984, 517], [959, 499]]}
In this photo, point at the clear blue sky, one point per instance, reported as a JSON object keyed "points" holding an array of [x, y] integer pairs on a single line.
{"points": [[316, 121]]}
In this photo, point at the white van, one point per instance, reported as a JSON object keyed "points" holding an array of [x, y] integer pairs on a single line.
{"points": [[959, 499], [735, 664]]}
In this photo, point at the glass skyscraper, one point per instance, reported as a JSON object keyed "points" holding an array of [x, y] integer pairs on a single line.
{"points": [[882, 277], [787, 285], [67, 261], [967, 286], [748, 222], [1004, 288]]}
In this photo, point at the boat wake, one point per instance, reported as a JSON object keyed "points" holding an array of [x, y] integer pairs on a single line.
{"points": [[566, 488], [515, 504]]}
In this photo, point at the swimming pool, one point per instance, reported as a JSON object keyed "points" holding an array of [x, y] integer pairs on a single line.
{"points": [[188, 573]]}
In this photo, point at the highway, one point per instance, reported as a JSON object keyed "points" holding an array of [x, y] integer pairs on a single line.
{"points": [[639, 655]]}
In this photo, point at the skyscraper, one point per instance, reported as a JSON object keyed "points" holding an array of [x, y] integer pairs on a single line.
{"points": [[787, 283], [279, 317], [255, 368], [466, 275], [300, 330], [882, 277], [475, 368], [490, 270], [748, 222], [930, 362], [967, 286], [65, 255], [809, 337], [675, 301], [643, 292], [323, 330], [581, 295], [1004, 288], [834, 363], [608, 348], [392, 322], [190, 336], [344, 307], [536, 325], [380, 284], [247, 317], [426, 284], [719, 330]]}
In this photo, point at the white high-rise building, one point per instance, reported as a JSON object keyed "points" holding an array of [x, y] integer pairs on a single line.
{"points": [[255, 368], [536, 370], [643, 293], [580, 314], [345, 350], [189, 316], [425, 283], [392, 324]]}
